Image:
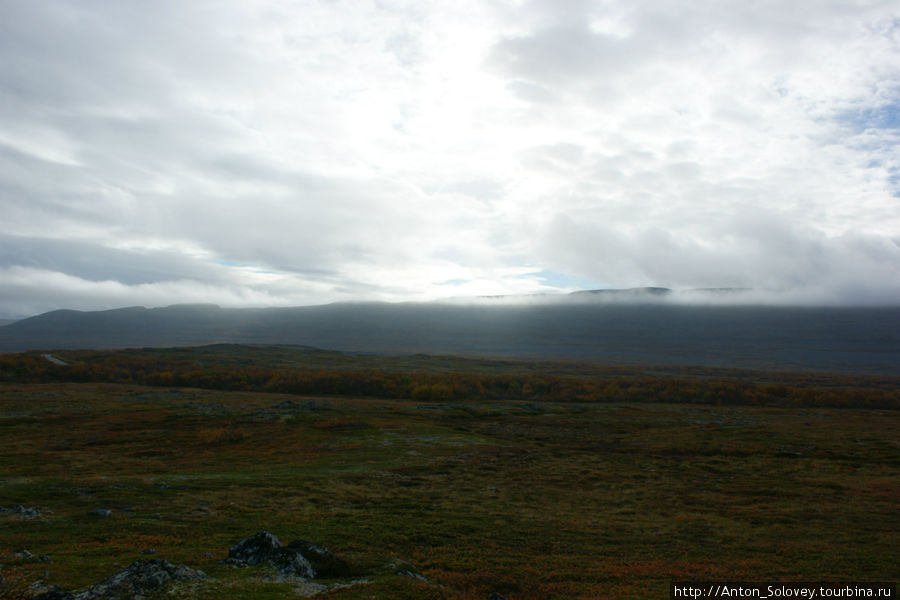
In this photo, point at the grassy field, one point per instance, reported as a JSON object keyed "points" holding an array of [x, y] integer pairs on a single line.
{"points": [[530, 500]]}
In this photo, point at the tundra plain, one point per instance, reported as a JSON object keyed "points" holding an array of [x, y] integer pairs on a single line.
{"points": [[515, 493]]}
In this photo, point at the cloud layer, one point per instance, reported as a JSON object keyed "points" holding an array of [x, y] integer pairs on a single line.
{"points": [[285, 153]]}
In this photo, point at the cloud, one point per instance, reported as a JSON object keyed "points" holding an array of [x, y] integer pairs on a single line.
{"points": [[305, 152], [767, 254], [28, 290]]}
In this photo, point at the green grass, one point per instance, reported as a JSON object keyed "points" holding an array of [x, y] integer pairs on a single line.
{"points": [[532, 500]]}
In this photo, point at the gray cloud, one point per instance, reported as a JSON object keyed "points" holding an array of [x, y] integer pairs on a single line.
{"points": [[560, 54], [94, 262], [307, 152], [763, 253]]}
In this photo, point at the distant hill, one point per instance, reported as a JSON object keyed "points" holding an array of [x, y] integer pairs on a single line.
{"points": [[849, 340], [631, 293]]}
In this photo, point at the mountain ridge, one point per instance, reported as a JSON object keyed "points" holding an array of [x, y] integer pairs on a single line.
{"points": [[865, 340]]}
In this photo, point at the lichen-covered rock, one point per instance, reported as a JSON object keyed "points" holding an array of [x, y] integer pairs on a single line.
{"points": [[264, 547]]}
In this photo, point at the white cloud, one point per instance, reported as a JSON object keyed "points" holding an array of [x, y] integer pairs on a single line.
{"points": [[420, 149], [28, 290]]}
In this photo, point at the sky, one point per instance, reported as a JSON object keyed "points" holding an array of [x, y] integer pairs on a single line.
{"points": [[277, 153]]}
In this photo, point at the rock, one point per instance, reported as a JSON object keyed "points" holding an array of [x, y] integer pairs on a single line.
{"points": [[323, 561], [39, 587], [138, 579], [54, 593], [496, 596], [101, 512], [135, 581], [148, 551], [255, 549], [26, 555], [413, 574], [24, 513], [264, 547], [401, 567]]}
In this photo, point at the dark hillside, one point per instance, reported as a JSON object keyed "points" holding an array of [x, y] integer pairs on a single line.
{"points": [[863, 340]]}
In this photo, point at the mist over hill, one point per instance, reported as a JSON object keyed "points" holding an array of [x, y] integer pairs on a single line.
{"points": [[840, 339]]}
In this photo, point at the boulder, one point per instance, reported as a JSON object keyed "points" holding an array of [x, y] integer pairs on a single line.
{"points": [[323, 561], [264, 547]]}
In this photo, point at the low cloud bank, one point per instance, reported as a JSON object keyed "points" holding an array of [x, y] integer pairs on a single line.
{"points": [[821, 297]]}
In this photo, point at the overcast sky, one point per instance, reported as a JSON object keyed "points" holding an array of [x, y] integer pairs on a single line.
{"points": [[300, 152]]}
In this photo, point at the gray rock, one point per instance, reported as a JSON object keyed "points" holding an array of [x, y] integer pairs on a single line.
{"points": [[258, 548], [401, 567], [140, 578], [23, 554], [413, 574], [24, 513], [102, 512], [323, 561], [264, 547], [54, 593]]}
